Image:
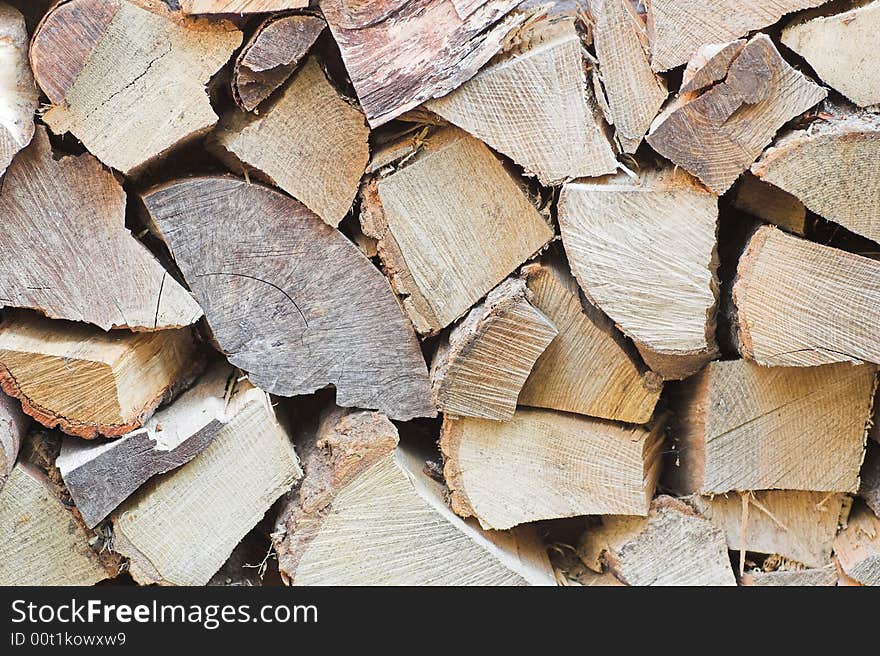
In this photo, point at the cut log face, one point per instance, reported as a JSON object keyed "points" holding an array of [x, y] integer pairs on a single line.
{"points": [[840, 48], [271, 55], [366, 514], [88, 382], [127, 77], [799, 303], [671, 546], [446, 241], [319, 143], [678, 28], [709, 65], [239, 6], [102, 475], [41, 541], [586, 368], [547, 465], [289, 299], [18, 94], [533, 106], [869, 489], [800, 526], [480, 371], [834, 168], [820, 576], [736, 118], [770, 203], [746, 427], [858, 547], [13, 427], [182, 526], [400, 54], [128, 290], [644, 252]]}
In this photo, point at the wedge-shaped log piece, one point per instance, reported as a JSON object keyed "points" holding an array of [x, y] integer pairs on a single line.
{"points": [[841, 49], [736, 118], [586, 369], [770, 203], [102, 475], [545, 465], [671, 546], [533, 106], [271, 55], [803, 304], [644, 252], [819, 576], [858, 547], [834, 168], [127, 77], [239, 6], [182, 526], [446, 240], [18, 94], [88, 382], [797, 525], [745, 427], [400, 54], [319, 146], [289, 299], [13, 428], [65, 230], [869, 489], [366, 514], [678, 28], [480, 371]]}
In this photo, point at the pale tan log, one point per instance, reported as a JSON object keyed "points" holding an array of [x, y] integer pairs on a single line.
{"points": [[797, 525], [546, 465], [644, 252], [678, 28], [181, 527], [366, 514], [451, 225], [833, 168], [709, 64], [13, 428], [841, 49], [86, 381], [127, 77], [869, 487], [770, 203], [671, 546], [310, 142], [736, 118], [819, 576], [799, 303], [481, 369], [18, 92], [533, 106], [586, 369], [843, 579], [858, 547], [65, 229], [239, 6], [746, 427]]}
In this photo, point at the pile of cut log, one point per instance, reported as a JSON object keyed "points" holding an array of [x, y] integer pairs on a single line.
{"points": [[462, 292]]}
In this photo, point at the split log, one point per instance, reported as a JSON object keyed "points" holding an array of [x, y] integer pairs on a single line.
{"points": [[289, 299], [634, 93], [400, 54], [239, 6], [820, 576], [671, 546], [858, 547], [677, 28], [869, 488], [546, 465], [586, 369], [708, 65], [644, 252], [800, 526], [128, 290], [833, 167], [366, 514], [13, 427], [736, 118], [452, 223], [843, 580], [803, 304], [127, 77], [746, 427], [319, 144], [182, 526], [480, 371], [770, 203], [102, 475], [533, 106], [840, 48], [88, 382], [271, 55], [18, 93]]}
